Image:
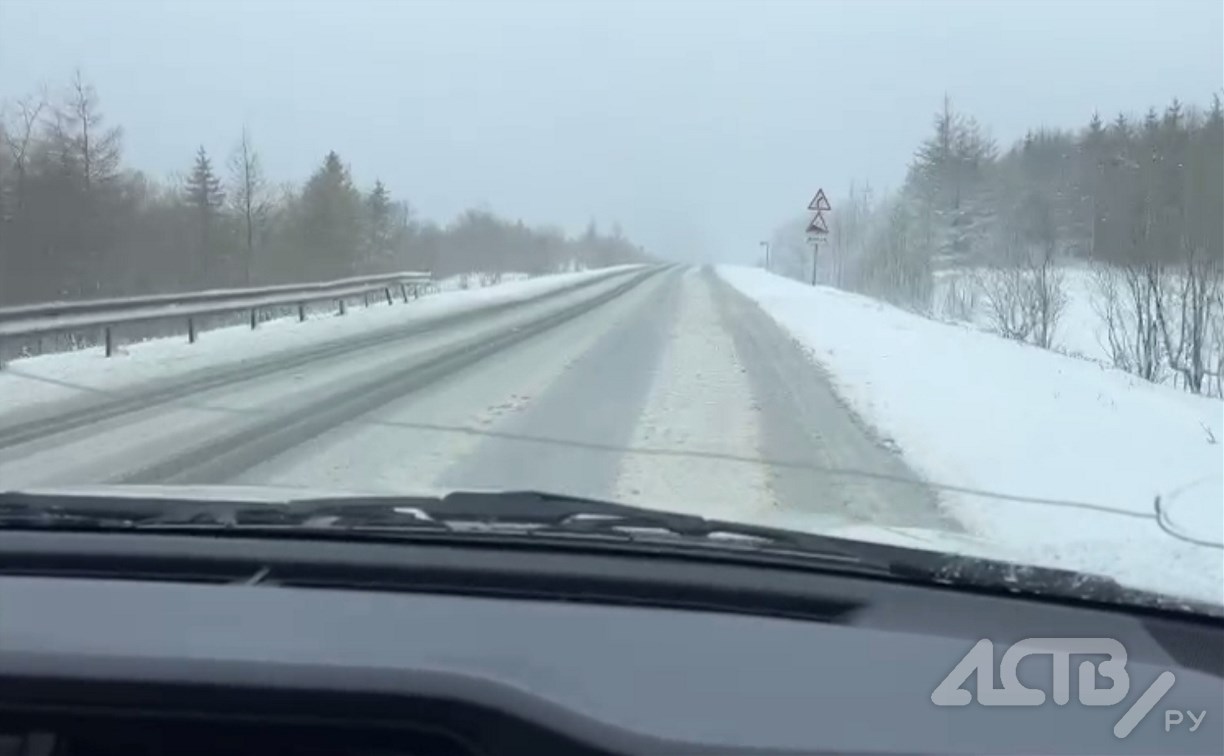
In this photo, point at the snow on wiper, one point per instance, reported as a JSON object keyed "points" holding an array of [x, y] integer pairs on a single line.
{"points": [[461, 513], [556, 518], [51, 510], [543, 513], [25, 515]]}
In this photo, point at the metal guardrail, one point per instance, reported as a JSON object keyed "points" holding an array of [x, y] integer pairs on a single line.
{"points": [[106, 314]]}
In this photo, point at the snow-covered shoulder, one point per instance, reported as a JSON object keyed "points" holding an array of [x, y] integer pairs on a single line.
{"points": [[975, 411]]}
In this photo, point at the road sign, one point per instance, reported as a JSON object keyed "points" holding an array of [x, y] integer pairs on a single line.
{"points": [[820, 202], [817, 229]]}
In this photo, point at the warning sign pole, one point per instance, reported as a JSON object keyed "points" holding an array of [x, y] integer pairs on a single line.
{"points": [[818, 228]]}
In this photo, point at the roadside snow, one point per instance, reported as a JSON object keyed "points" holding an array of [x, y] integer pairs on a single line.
{"points": [[972, 410], [467, 281], [26, 383]]}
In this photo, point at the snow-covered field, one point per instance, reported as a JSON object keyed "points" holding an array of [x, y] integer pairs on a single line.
{"points": [[26, 383], [981, 413]]}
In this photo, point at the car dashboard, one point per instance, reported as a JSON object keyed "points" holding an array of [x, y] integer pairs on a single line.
{"points": [[142, 644]]}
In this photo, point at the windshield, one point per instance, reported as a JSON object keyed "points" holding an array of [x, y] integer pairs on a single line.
{"points": [[942, 275]]}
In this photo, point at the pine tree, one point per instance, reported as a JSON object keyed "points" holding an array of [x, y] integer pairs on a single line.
{"points": [[1090, 171], [378, 224], [947, 181], [328, 222], [203, 187], [204, 197]]}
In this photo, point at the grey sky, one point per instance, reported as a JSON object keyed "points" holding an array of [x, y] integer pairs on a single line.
{"points": [[698, 125]]}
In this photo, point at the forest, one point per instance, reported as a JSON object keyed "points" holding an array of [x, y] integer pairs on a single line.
{"points": [[1133, 205], [76, 222]]}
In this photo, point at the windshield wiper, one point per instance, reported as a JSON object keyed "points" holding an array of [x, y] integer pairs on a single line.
{"points": [[466, 514], [517, 515], [527, 511]]}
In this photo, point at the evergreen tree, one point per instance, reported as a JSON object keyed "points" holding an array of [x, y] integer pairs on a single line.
{"points": [[948, 183], [328, 222], [203, 190], [378, 239], [205, 198]]}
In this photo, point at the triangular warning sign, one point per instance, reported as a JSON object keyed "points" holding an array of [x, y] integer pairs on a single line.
{"points": [[819, 202], [818, 225]]}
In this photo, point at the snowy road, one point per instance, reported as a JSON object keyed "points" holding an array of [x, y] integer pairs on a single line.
{"points": [[660, 387]]}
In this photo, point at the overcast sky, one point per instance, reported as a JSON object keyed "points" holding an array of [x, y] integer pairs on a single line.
{"points": [[698, 125]]}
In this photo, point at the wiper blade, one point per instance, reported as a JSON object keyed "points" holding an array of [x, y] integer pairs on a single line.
{"points": [[20, 514], [470, 513], [473, 515], [547, 514], [41, 510]]}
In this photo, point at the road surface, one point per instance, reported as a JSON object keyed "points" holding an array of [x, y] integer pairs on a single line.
{"points": [[660, 387]]}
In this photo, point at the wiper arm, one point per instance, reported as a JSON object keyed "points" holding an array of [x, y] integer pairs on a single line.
{"points": [[50, 510], [20, 514], [528, 513], [519, 512], [545, 515], [472, 514]]}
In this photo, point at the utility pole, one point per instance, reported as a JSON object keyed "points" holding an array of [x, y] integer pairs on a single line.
{"points": [[818, 228], [765, 244]]}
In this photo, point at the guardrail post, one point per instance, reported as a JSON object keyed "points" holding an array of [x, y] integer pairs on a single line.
{"points": [[404, 291], [191, 331], [254, 317], [342, 307], [389, 298], [301, 312], [365, 295], [109, 337], [416, 291]]}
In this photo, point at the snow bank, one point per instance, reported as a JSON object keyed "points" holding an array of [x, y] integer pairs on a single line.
{"points": [[466, 281], [972, 410], [26, 383]]}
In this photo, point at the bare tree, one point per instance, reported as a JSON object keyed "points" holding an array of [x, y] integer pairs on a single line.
{"points": [[960, 300], [1215, 339], [1125, 300], [896, 266], [249, 196], [19, 135], [1007, 297], [1024, 294], [1046, 290], [1184, 303], [95, 150]]}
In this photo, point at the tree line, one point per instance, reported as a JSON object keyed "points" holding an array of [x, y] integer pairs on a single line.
{"points": [[1138, 201], [76, 222]]}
